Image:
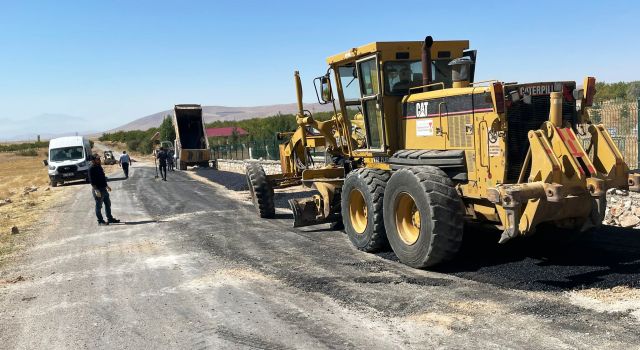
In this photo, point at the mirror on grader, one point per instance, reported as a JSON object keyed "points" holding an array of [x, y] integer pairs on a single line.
{"points": [[325, 95], [451, 151]]}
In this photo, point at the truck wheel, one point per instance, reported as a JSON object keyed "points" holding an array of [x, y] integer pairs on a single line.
{"points": [[53, 183], [182, 165], [203, 164], [362, 199], [261, 191], [423, 215]]}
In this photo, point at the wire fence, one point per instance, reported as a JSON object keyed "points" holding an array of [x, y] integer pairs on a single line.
{"points": [[265, 149], [622, 121], [262, 149]]}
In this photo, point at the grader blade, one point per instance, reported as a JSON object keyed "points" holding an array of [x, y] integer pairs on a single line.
{"points": [[305, 212]]}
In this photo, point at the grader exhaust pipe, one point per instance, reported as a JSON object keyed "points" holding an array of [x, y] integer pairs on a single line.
{"points": [[426, 62]]}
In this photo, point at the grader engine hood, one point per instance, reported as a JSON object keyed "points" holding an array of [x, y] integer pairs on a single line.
{"points": [[553, 177]]}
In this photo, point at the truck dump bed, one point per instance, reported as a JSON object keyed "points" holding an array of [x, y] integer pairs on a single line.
{"points": [[192, 146], [189, 125]]}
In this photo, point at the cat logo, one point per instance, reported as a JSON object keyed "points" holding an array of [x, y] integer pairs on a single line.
{"points": [[422, 109], [540, 89]]}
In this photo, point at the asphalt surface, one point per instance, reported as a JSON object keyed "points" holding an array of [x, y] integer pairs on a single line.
{"points": [[192, 266]]}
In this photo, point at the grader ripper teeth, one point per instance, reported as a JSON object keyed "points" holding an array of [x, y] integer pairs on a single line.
{"points": [[418, 148]]}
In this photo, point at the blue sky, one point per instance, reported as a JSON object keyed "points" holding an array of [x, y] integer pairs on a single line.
{"points": [[109, 62]]}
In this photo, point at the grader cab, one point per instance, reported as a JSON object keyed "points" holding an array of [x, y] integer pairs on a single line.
{"points": [[440, 149]]}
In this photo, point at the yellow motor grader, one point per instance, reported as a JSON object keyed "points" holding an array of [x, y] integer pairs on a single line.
{"points": [[441, 149]]}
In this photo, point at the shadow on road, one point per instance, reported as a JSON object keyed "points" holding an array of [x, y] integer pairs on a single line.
{"points": [[141, 222], [113, 179], [605, 258], [238, 182], [74, 183], [230, 180]]}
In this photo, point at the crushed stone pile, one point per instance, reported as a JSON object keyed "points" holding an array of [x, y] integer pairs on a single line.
{"points": [[623, 209]]}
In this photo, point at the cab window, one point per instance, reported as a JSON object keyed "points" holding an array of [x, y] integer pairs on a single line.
{"points": [[400, 76], [350, 83]]}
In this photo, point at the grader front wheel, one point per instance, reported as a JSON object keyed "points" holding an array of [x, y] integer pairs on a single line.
{"points": [[423, 216], [361, 202], [261, 191]]}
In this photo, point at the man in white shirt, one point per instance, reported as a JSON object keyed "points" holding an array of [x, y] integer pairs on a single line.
{"points": [[124, 161]]}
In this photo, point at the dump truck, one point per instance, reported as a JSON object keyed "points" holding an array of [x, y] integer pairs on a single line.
{"points": [[442, 150], [191, 143]]}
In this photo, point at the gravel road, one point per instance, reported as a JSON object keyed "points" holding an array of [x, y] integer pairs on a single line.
{"points": [[193, 267]]}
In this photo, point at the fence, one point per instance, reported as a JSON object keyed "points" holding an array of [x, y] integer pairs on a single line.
{"points": [[622, 121], [265, 149]]}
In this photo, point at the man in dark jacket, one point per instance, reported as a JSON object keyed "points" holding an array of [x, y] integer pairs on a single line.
{"points": [[162, 163], [100, 191]]}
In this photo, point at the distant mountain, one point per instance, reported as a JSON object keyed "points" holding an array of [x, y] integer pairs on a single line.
{"points": [[214, 113]]}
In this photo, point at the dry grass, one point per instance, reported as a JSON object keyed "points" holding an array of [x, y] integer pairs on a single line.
{"points": [[16, 173]]}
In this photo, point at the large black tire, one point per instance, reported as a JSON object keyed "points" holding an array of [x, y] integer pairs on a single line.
{"points": [[364, 189], [182, 165], [261, 190], [425, 194], [53, 183]]}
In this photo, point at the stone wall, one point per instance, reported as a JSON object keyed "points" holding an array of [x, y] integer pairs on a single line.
{"points": [[238, 166]]}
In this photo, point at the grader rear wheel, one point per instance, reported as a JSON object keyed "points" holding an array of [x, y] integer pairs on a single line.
{"points": [[362, 195], [261, 191], [423, 216]]}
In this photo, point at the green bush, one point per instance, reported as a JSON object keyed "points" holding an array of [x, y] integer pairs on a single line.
{"points": [[14, 147], [136, 140]]}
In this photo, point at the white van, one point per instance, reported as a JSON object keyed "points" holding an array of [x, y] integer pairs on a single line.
{"points": [[69, 159]]}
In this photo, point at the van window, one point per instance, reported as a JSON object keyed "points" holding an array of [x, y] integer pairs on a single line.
{"points": [[66, 153]]}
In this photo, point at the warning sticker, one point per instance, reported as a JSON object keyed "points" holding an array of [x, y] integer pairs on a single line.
{"points": [[494, 143], [424, 127]]}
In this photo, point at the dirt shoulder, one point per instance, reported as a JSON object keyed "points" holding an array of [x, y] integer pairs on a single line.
{"points": [[25, 195]]}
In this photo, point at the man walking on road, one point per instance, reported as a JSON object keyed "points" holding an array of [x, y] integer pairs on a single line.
{"points": [[162, 163], [124, 161], [100, 191]]}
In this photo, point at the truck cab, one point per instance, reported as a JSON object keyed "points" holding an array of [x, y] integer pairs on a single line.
{"points": [[68, 159]]}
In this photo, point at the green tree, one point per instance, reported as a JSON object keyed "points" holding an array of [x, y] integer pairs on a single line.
{"points": [[167, 131], [234, 135]]}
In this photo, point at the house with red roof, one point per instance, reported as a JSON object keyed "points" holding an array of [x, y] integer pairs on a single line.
{"points": [[226, 131]]}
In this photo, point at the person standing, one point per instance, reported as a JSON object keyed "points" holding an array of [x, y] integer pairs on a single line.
{"points": [[124, 161], [170, 159], [100, 191], [162, 163]]}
